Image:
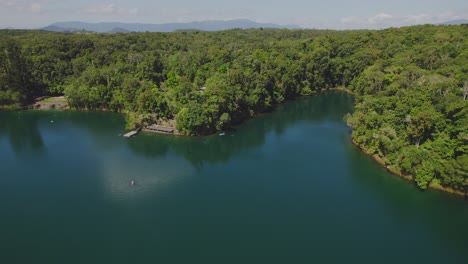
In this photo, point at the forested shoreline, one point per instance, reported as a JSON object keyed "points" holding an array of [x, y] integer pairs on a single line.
{"points": [[411, 84]]}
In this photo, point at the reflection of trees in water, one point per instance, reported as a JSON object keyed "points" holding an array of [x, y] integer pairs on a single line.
{"points": [[104, 127], [22, 128], [407, 204], [22, 131], [331, 107], [24, 135]]}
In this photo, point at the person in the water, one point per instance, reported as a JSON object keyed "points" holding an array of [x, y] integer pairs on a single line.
{"points": [[132, 183]]}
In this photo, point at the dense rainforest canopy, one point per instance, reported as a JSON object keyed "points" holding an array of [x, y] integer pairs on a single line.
{"points": [[411, 84]]}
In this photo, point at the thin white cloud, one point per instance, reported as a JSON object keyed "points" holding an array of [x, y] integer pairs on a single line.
{"points": [[377, 20], [8, 3], [172, 14], [111, 9], [352, 20], [21, 6], [380, 18], [168, 15], [35, 8], [384, 20]]}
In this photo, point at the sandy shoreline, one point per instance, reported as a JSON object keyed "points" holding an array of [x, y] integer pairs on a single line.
{"points": [[50, 103]]}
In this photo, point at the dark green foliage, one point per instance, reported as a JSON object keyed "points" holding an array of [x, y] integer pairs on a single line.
{"points": [[412, 112], [16, 84], [411, 84]]}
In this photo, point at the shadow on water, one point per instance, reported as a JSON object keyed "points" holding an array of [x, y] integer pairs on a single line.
{"points": [[253, 133], [25, 130], [22, 132], [397, 199]]}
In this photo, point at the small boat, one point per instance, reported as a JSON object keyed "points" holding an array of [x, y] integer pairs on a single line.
{"points": [[132, 183], [222, 134]]}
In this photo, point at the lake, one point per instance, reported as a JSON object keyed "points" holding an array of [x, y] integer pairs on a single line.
{"points": [[285, 187]]}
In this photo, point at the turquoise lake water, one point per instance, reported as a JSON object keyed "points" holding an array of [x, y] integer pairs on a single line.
{"points": [[286, 187]]}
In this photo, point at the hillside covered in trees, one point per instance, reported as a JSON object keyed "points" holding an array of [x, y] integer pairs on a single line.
{"points": [[411, 84]]}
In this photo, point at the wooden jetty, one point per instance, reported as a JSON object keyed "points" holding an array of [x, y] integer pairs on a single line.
{"points": [[161, 129], [132, 133]]}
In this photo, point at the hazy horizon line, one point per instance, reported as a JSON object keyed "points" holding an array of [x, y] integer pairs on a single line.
{"points": [[229, 20]]}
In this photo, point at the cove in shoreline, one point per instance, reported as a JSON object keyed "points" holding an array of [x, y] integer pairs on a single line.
{"points": [[375, 157]]}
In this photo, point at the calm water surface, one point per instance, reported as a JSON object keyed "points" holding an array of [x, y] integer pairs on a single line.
{"points": [[287, 187]]}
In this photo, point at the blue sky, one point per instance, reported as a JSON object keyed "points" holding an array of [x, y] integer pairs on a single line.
{"points": [[335, 14]]}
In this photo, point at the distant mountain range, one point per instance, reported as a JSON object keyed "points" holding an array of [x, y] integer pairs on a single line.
{"points": [[455, 22], [213, 25], [209, 25]]}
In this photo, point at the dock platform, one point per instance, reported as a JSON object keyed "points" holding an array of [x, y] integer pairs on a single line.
{"points": [[132, 133], [161, 129]]}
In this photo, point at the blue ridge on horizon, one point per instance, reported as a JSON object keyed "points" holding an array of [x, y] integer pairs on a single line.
{"points": [[208, 25]]}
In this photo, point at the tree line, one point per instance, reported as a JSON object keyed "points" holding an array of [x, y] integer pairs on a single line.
{"points": [[411, 84]]}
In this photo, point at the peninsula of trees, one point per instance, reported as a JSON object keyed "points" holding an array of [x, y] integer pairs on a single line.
{"points": [[410, 84]]}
